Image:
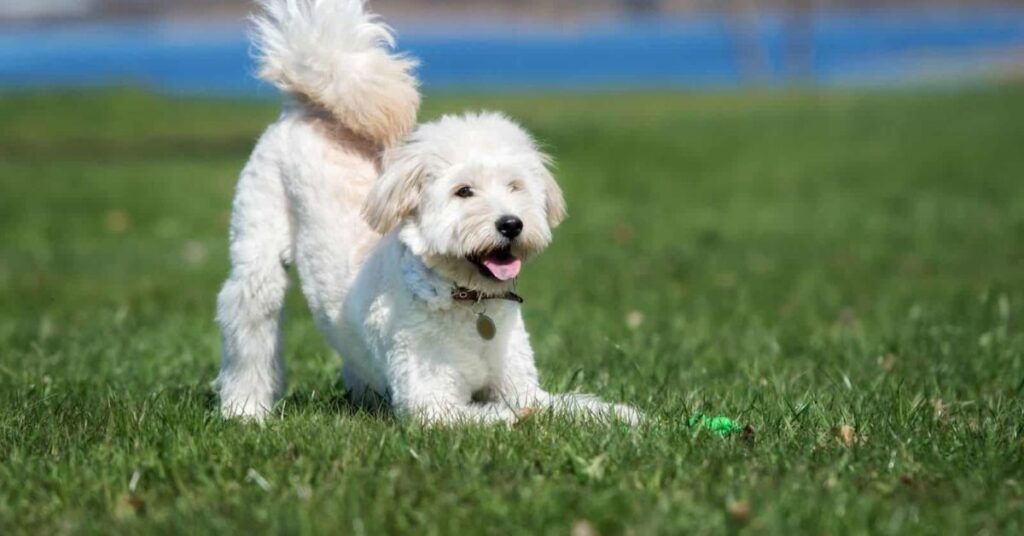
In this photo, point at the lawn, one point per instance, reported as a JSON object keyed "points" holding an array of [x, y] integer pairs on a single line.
{"points": [[842, 272]]}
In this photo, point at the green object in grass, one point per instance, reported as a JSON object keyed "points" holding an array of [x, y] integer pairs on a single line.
{"points": [[723, 426]]}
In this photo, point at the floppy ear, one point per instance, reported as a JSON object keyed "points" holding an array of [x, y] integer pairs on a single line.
{"points": [[395, 194], [554, 203]]}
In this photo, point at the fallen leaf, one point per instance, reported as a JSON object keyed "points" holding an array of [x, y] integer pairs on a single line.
{"points": [[116, 221], [847, 316], [634, 319], [129, 505], [194, 252], [848, 436], [739, 511], [582, 527], [749, 434], [887, 362], [940, 407], [623, 233]]}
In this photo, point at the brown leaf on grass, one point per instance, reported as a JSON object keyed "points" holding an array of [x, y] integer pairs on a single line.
{"points": [[116, 221], [129, 505], [941, 408], [582, 527], [525, 413], [194, 252], [634, 319], [623, 233], [847, 316], [749, 434], [739, 511], [848, 436], [887, 362]]}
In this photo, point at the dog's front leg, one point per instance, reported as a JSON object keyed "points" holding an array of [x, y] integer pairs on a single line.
{"points": [[434, 393], [591, 407], [442, 409], [518, 384], [436, 412], [519, 387]]}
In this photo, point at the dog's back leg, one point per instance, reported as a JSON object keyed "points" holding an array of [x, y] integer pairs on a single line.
{"points": [[250, 305], [326, 191]]}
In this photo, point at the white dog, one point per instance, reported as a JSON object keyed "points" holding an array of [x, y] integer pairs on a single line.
{"points": [[409, 275]]}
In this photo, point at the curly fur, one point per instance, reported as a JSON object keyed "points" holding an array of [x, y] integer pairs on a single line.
{"points": [[378, 251], [338, 56]]}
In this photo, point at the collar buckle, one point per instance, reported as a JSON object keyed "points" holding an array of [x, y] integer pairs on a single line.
{"points": [[465, 294]]}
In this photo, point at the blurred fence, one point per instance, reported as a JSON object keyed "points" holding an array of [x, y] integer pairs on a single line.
{"points": [[538, 9], [200, 46]]}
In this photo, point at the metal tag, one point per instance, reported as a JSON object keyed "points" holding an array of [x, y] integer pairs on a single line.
{"points": [[485, 326]]}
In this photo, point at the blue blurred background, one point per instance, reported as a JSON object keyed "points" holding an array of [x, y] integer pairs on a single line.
{"points": [[200, 47]]}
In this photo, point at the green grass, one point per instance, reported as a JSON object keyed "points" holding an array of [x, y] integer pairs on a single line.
{"points": [[798, 262]]}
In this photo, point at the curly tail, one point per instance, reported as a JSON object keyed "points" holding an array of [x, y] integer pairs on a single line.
{"points": [[338, 56]]}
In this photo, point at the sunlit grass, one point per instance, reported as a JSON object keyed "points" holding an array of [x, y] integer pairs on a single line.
{"points": [[842, 272]]}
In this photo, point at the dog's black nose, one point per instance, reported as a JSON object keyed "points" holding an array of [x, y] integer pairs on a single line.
{"points": [[509, 226]]}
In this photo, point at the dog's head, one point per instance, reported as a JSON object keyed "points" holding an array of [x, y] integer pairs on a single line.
{"points": [[472, 196]]}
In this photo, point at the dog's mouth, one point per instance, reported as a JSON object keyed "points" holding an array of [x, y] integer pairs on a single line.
{"points": [[499, 264]]}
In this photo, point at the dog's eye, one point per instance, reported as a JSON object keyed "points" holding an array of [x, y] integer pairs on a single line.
{"points": [[465, 191], [514, 186]]}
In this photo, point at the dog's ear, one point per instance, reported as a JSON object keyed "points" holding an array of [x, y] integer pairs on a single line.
{"points": [[554, 202], [395, 194]]}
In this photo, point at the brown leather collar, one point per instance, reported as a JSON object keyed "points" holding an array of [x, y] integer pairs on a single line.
{"points": [[467, 295]]}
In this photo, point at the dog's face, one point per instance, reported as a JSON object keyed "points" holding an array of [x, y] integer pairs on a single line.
{"points": [[472, 196]]}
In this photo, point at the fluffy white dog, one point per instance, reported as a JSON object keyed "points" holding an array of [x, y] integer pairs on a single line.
{"points": [[407, 253]]}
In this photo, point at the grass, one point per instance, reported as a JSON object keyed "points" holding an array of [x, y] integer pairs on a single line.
{"points": [[842, 272]]}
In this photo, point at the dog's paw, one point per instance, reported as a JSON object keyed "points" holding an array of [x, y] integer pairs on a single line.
{"points": [[248, 410], [626, 414]]}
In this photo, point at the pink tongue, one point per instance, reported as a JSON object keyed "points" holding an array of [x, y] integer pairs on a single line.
{"points": [[503, 269]]}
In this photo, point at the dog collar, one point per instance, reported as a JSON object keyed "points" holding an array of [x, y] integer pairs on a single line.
{"points": [[485, 325], [467, 295], [439, 293]]}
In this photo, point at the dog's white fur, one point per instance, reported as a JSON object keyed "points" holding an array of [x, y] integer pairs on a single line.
{"points": [[377, 257]]}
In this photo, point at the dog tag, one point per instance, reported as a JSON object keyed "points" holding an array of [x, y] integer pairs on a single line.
{"points": [[485, 326]]}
